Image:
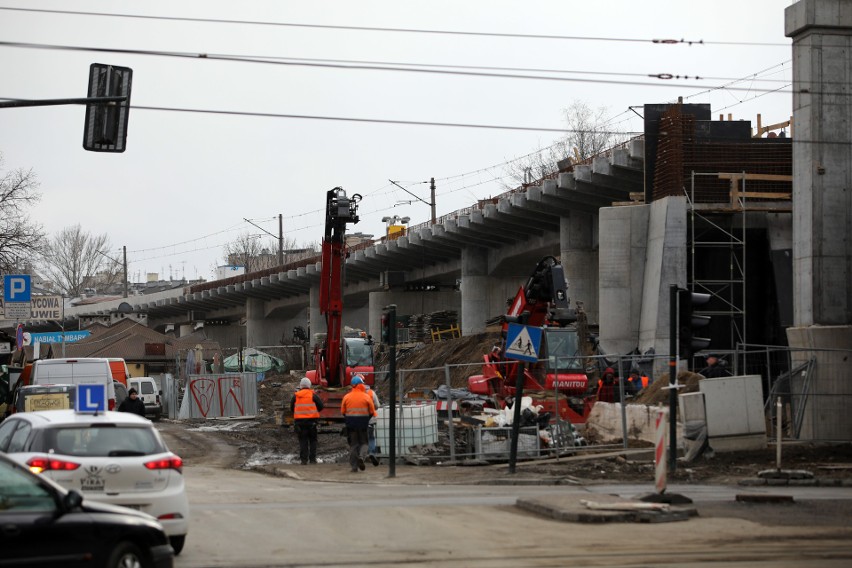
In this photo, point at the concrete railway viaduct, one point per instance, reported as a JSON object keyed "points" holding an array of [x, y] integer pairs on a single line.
{"points": [[764, 225]]}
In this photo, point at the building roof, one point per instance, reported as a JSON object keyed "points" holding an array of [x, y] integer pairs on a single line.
{"points": [[132, 341]]}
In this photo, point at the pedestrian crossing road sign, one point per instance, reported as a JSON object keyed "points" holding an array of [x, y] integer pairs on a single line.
{"points": [[523, 342]]}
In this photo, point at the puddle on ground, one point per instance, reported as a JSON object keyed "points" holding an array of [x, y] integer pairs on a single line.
{"points": [[270, 458]]}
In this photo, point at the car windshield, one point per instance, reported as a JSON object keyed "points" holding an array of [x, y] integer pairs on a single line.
{"points": [[21, 493], [102, 441], [563, 352], [358, 353]]}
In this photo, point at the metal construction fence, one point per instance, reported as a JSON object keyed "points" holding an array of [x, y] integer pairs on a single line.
{"points": [[212, 383], [814, 387], [428, 397]]}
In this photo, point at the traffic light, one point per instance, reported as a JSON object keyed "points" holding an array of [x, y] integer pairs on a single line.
{"points": [[689, 322], [105, 127], [389, 325]]}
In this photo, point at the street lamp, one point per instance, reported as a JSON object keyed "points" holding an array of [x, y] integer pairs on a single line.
{"points": [[395, 226], [124, 265]]}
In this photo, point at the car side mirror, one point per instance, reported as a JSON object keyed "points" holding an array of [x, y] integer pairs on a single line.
{"points": [[72, 500]]}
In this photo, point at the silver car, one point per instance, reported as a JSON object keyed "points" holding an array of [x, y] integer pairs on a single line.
{"points": [[112, 457]]}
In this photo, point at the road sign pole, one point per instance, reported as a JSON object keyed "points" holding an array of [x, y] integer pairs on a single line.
{"points": [[516, 421]]}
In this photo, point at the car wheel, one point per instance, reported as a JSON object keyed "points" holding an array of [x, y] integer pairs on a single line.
{"points": [[126, 555], [177, 543]]}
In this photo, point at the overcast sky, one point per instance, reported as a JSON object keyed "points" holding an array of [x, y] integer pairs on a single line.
{"points": [[188, 180]]}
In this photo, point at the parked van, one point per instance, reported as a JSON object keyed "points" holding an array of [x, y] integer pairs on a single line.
{"points": [[31, 398], [78, 371], [118, 366], [147, 390]]}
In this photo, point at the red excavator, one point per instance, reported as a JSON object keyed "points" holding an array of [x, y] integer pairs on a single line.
{"points": [[337, 358], [558, 381]]}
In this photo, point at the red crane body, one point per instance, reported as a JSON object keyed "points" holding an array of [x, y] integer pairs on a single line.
{"points": [[333, 368], [542, 302]]}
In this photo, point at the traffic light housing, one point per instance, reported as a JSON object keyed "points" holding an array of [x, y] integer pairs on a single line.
{"points": [[688, 323], [105, 127], [389, 325]]}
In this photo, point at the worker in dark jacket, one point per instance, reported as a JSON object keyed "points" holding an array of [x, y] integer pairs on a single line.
{"points": [[306, 406], [132, 404], [715, 368], [608, 387], [357, 409]]}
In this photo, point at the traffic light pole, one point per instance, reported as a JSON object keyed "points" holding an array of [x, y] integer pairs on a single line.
{"points": [[674, 316], [390, 322]]}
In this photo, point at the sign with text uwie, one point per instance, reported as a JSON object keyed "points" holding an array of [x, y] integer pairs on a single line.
{"points": [[46, 308]]}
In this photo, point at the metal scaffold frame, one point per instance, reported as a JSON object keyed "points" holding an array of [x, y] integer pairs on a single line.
{"points": [[713, 235]]}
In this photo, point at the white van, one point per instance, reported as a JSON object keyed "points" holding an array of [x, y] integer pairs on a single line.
{"points": [[146, 388], [83, 370]]}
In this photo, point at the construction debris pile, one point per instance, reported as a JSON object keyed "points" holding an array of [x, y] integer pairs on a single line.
{"points": [[422, 326]]}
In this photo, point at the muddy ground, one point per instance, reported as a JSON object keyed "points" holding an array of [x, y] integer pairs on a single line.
{"points": [[263, 440]]}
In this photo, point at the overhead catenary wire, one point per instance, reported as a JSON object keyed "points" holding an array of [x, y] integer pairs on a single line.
{"points": [[662, 81], [471, 33], [413, 122]]}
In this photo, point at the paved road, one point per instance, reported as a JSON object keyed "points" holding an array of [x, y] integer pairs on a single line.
{"points": [[242, 518]]}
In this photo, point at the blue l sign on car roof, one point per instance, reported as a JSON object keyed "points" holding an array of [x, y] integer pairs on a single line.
{"points": [[91, 399]]}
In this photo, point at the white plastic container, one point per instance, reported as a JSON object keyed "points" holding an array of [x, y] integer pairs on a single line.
{"points": [[417, 425]]}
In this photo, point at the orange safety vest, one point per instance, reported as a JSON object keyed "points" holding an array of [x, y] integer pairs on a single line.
{"points": [[305, 407], [357, 403]]}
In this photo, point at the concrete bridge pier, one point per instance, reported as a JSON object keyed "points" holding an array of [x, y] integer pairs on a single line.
{"points": [[316, 321], [643, 253], [259, 330], [475, 285], [822, 204], [578, 250]]}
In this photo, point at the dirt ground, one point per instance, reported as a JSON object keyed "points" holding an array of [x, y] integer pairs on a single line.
{"points": [[263, 440]]}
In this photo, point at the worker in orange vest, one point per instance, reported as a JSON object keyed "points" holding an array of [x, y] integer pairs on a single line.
{"points": [[357, 408], [306, 406]]}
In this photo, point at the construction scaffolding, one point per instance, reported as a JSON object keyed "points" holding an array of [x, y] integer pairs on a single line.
{"points": [[721, 228]]}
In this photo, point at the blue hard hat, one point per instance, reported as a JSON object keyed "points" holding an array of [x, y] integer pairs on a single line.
{"points": [[357, 380]]}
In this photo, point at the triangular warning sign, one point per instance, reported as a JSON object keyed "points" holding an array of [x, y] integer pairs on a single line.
{"points": [[522, 345]]}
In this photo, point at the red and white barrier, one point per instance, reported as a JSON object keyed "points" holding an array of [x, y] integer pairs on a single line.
{"points": [[660, 462]]}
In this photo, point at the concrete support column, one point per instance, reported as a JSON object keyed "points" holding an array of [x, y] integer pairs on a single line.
{"points": [[822, 208], [255, 313], [474, 290], [316, 321], [578, 252], [822, 163], [826, 411], [186, 329], [623, 255], [645, 253]]}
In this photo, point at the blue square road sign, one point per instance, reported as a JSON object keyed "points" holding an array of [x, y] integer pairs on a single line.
{"points": [[91, 399], [16, 288]]}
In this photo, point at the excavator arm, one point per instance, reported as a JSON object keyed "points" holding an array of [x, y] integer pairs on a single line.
{"points": [[339, 211]]}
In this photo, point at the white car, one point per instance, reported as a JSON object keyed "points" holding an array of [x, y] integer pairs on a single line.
{"points": [[112, 457]]}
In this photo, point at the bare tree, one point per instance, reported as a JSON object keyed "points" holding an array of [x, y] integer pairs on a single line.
{"points": [[244, 251], [75, 260], [256, 253], [20, 239], [588, 135]]}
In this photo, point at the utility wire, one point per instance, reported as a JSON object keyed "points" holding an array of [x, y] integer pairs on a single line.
{"points": [[664, 78], [656, 41]]}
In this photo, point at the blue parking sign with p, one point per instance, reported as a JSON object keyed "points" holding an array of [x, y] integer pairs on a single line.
{"points": [[91, 399], [16, 288]]}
